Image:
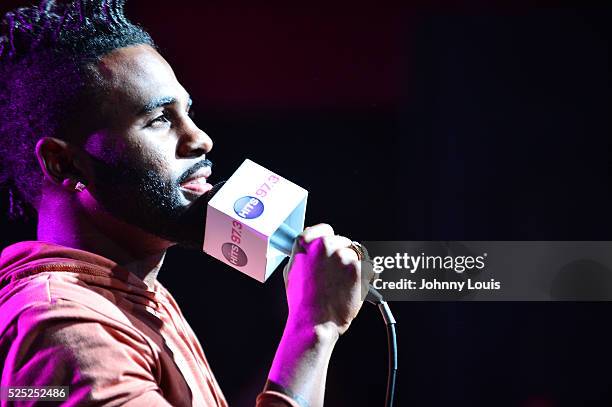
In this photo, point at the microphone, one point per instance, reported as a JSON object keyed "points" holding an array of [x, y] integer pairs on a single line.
{"points": [[253, 219], [283, 241]]}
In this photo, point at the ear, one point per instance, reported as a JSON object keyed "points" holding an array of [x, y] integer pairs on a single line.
{"points": [[58, 162]]}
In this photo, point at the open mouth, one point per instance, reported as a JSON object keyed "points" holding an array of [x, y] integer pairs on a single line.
{"points": [[198, 182], [198, 186]]}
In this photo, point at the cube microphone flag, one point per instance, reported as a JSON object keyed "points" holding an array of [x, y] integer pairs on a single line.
{"points": [[251, 222], [253, 219]]}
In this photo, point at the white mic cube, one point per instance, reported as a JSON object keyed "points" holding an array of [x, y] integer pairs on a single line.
{"points": [[246, 212]]}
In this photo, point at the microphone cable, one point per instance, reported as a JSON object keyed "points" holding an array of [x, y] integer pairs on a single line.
{"points": [[374, 297]]}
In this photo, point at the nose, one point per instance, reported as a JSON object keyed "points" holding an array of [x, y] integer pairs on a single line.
{"points": [[193, 142]]}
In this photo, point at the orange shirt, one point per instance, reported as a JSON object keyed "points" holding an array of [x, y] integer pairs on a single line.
{"points": [[72, 318]]}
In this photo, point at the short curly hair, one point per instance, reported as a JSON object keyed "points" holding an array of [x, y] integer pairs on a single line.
{"points": [[47, 81]]}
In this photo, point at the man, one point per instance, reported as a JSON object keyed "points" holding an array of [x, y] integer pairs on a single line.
{"points": [[96, 135]]}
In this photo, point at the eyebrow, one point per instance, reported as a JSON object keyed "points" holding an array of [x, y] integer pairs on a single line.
{"points": [[161, 102]]}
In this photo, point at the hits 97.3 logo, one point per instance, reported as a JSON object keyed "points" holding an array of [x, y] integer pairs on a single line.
{"points": [[248, 207]]}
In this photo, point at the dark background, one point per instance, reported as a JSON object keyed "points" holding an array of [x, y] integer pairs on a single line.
{"points": [[405, 121]]}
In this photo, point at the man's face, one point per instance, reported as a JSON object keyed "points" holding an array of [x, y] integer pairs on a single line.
{"points": [[148, 158]]}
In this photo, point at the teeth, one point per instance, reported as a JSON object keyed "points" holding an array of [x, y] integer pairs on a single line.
{"points": [[197, 181]]}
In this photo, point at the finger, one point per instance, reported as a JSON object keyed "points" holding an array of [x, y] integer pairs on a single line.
{"points": [[348, 255], [317, 231], [349, 261], [334, 243]]}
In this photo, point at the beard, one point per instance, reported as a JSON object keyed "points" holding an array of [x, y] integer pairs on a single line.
{"points": [[142, 197]]}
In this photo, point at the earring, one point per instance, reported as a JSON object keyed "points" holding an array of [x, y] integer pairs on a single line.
{"points": [[80, 187]]}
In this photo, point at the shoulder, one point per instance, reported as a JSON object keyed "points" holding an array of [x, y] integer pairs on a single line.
{"points": [[62, 342], [85, 334], [55, 295], [56, 312]]}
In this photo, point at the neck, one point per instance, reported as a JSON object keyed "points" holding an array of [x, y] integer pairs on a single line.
{"points": [[63, 220]]}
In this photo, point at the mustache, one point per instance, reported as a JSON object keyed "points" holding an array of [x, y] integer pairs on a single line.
{"points": [[195, 168]]}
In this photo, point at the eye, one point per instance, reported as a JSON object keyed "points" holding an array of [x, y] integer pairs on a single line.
{"points": [[159, 121]]}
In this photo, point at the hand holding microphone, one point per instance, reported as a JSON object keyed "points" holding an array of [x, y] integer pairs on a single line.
{"points": [[324, 280], [254, 219], [252, 224]]}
